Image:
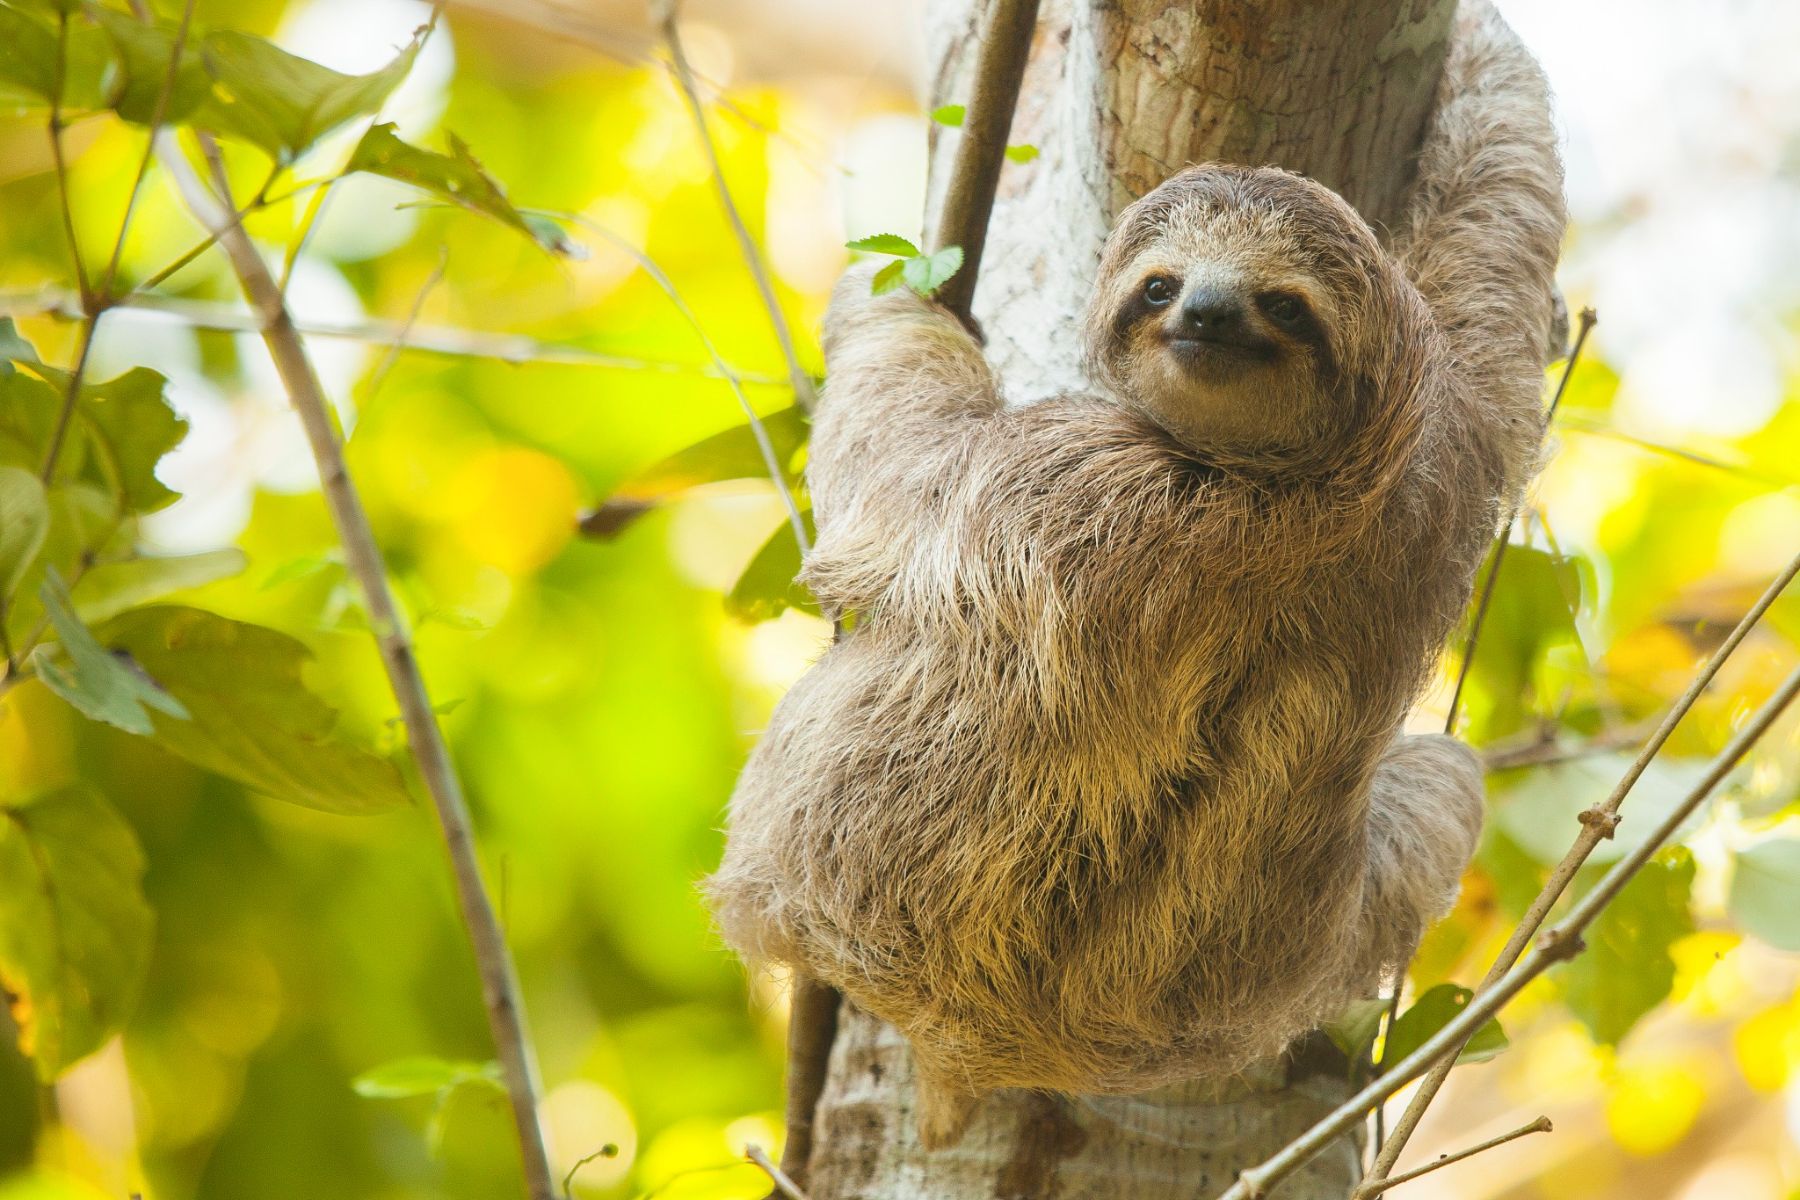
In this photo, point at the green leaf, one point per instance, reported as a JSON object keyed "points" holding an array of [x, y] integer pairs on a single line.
{"points": [[24, 520], [141, 69], [1536, 599], [926, 274], [74, 927], [888, 278], [1021, 153], [283, 103], [419, 1076], [111, 588], [883, 243], [456, 177], [768, 586], [949, 114], [1430, 1013], [126, 426], [98, 683], [1765, 891], [252, 718], [27, 54], [1626, 969], [1354, 1030], [13, 348]]}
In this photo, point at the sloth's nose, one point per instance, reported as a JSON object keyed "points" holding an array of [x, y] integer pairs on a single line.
{"points": [[1212, 312]]}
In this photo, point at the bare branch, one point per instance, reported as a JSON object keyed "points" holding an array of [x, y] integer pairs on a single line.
{"points": [[1487, 589], [988, 117], [666, 13], [499, 985], [1375, 1187], [462, 343], [783, 1185], [1557, 945], [1594, 830]]}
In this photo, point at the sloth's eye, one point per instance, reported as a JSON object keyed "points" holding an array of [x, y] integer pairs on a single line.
{"points": [[1159, 290], [1284, 309]]}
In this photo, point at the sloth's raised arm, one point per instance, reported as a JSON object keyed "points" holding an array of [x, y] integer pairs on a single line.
{"points": [[901, 375], [1482, 231]]}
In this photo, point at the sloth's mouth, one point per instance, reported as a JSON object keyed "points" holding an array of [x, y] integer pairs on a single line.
{"points": [[1241, 348]]}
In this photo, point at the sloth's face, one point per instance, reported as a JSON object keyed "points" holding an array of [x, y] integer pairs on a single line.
{"points": [[1220, 311]]}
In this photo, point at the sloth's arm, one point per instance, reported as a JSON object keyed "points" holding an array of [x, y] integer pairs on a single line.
{"points": [[1425, 808], [1482, 231], [902, 375]]}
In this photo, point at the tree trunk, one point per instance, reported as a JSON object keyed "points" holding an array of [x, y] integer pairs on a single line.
{"points": [[1119, 95]]}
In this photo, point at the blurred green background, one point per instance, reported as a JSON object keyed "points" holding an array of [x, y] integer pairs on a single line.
{"points": [[599, 696]]}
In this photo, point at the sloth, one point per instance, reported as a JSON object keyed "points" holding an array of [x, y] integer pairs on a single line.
{"points": [[1106, 784]]}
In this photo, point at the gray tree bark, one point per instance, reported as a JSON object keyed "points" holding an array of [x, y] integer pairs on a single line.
{"points": [[1119, 95]]}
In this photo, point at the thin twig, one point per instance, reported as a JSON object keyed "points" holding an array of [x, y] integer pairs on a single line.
{"points": [[1487, 588], [509, 348], [1597, 824], [499, 983], [1375, 1187], [1556, 945], [57, 158], [783, 1184], [610, 1150], [771, 461], [665, 14], [987, 120]]}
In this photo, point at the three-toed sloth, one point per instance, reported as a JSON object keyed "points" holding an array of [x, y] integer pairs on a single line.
{"points": [[1106, 786]]}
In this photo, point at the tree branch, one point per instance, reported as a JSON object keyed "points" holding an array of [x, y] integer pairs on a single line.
{"points": [[783, 1185], [1375, 1187], [1558, 944], [499, 985], [987, 120]]}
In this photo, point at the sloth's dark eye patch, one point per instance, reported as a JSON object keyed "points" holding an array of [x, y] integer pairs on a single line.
{"points": [[1286, 310], [1160, 291]]}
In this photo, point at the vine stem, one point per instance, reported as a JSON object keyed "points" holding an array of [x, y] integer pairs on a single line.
{"points": [[499, 982], [1597, 824], [980, 155], [1560, 943], [665, 14]]}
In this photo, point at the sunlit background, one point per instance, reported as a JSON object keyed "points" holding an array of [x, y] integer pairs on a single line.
{"points": [[600, 697]]}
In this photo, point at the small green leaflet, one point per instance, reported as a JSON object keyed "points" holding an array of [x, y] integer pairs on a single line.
{"points": [[456, 177], [74, 926], [24, 520], [950, 114], [1021, 153], [1765, 891], [143, 53], [1430, 1013], [420, 1076], [884, 243], [1626, 970], [1353, 1031], [927, 273], [110, 588], [96, 682], [923, 273], [126, 426], [27, 55]]}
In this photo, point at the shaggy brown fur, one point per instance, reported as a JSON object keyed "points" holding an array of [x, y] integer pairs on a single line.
{"points": [[1106, 787]]}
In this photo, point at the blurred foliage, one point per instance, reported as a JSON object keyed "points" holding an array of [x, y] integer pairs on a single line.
{"points": [[227, 940]]}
